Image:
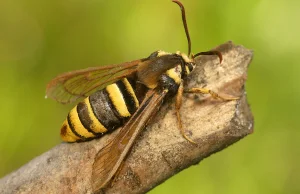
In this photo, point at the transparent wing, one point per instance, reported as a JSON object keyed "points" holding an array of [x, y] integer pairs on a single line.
{"points": [[109, 159], [68, 87]]}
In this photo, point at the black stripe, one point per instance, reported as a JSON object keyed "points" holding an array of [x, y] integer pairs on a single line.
{"points": [[72, 127], [111, 105], [190, 66], [132, 83], [83, 114], [102, 110], [128, 98]]}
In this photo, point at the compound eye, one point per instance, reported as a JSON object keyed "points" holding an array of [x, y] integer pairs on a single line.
{"points": [[191, 66]]}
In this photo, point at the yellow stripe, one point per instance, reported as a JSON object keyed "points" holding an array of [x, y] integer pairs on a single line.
{"points": [[117, 99], [187, 70], [96, 126], [76, 123], [162, 53], [131, 91], [174, 75], [186, 58], [66, 133]]}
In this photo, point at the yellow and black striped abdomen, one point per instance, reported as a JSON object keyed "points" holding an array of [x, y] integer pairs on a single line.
{"points": [[100, 113]]}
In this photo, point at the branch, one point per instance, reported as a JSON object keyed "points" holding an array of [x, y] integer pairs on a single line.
{"points": [[160, 151]]}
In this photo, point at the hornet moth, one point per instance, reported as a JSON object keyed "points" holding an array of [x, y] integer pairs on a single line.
{"points": [[125, 95]]}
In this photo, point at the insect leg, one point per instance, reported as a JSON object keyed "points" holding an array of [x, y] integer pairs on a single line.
{"points": [[177, 107], [212, 93]]}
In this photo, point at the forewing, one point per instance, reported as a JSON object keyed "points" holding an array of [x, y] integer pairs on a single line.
{"points": [[68, 87], [109, 159], [150, 71]]}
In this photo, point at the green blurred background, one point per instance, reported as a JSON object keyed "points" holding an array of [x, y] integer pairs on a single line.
{"points": [[41, 39]]}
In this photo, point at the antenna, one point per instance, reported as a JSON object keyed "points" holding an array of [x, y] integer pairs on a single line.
{"points": [[213, 52], [185, 25]]}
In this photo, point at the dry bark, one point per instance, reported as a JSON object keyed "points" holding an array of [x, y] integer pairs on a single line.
{"points": [[160, 151]]}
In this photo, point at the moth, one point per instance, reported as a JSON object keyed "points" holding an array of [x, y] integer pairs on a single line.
{"points": [[125, 95]]}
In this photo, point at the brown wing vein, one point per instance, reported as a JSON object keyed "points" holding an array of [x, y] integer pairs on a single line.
{"points": [[108, 80], [70, 86], [109, 159]]}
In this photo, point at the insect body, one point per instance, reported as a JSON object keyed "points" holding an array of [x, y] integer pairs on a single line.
{"points": [[108, 109], [101, 112], [127, 95]]}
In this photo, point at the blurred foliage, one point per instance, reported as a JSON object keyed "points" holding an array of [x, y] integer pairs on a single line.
{"points": [[40, 39]]}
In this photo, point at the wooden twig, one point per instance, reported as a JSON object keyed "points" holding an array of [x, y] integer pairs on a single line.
{"points": [[160, 151]]}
